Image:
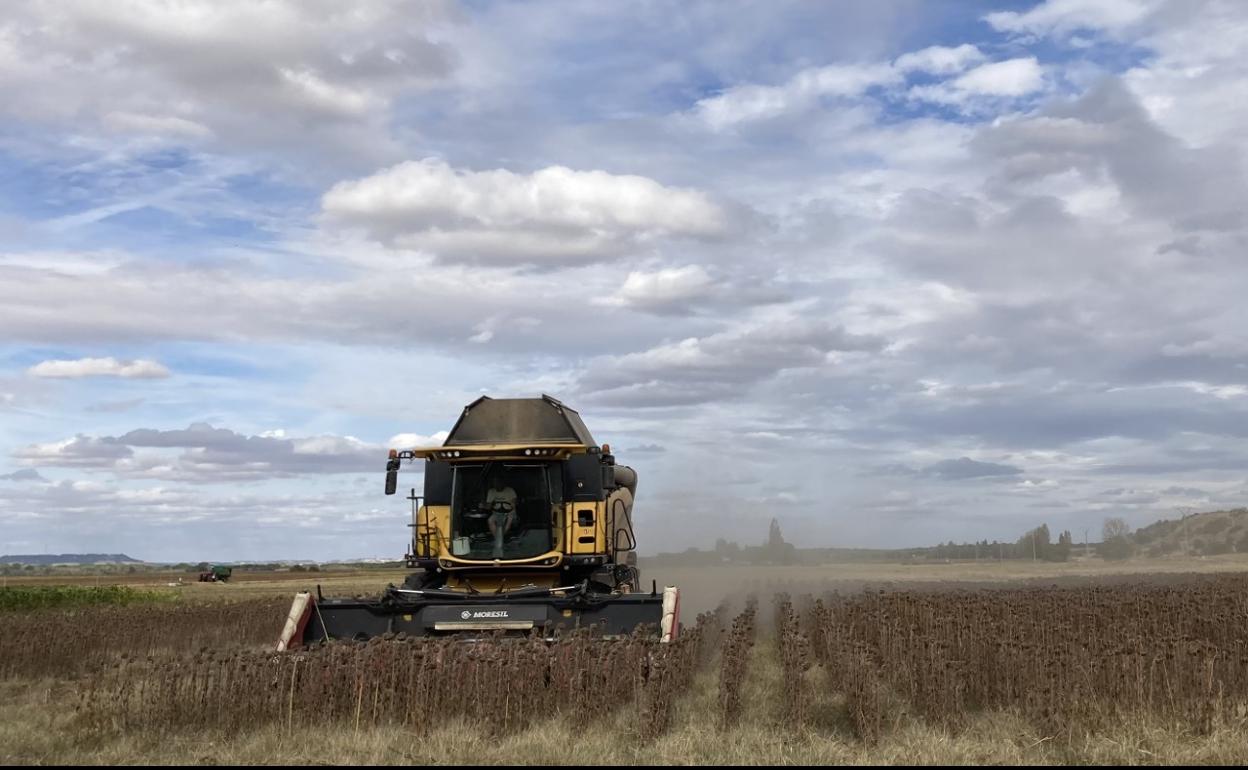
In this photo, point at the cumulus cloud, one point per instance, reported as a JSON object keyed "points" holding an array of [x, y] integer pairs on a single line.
{"points": [[207, 455], [100, 367], [239, 72], [719, 366], [23, 474], [172, 522], [666, 288], [1008, 79], [1067, 16], [417, 440], [1106, 132], [1191, 83], [86, 452], [940, 60], [553, 215]]}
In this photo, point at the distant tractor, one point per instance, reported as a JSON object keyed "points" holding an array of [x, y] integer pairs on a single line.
{"points": [[217, 574]]}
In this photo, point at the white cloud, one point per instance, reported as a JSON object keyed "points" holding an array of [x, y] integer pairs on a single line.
{"points": [[416, 440], [100, 367], [320, 95], [719, 366], [1193, 81], [745, 103], [329, 445], [77, 452], [201, 453], [1012, 78], [667, 287], [940, 60], [241, 72], [1067, 16], [750, 102], [554, 214]]}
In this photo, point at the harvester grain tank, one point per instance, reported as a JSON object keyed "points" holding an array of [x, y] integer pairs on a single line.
{"points": [[525, 524]]}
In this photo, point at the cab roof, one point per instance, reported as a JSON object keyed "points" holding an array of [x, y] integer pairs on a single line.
{"points": [[518, 421]]}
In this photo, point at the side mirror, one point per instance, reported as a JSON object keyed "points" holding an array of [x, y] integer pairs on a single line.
{"points": [[392, 475]]}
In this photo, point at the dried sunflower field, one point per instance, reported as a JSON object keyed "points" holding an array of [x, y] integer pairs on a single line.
{"points": [[1128, 672]]}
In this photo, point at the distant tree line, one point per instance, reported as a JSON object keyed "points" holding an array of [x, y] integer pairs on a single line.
{"points": [[1036, 544], [1117, 542], [775, 550]]}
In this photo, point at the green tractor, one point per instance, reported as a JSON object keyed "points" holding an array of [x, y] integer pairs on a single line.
{"points": [[217, 574]]}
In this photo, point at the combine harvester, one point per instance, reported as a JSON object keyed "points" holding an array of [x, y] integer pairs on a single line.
{"points": [[525, 523], [217, 574]]}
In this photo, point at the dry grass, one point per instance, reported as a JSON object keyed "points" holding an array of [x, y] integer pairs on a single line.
{"points": [[67, 642]]}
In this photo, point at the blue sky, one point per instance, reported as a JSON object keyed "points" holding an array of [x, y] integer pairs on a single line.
{"points": [[893, 273]]}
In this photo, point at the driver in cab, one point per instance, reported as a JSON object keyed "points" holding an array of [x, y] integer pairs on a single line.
{"points": [[500, 501]]}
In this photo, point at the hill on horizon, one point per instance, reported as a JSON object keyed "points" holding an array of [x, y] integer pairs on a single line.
{"points": [[1198, 534], [47, 559]]}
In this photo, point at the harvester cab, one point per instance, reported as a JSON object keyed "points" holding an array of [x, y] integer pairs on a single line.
{"points": [[524, 523]]}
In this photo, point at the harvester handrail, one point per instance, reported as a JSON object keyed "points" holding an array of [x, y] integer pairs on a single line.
{"points": [[616, 530]]}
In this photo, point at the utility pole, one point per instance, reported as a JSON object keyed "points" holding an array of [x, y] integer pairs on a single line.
{"points": [[1086, 553], [1033, 545]]}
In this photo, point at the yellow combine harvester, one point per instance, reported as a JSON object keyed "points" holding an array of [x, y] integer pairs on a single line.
{"points": [[525, 523]]}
